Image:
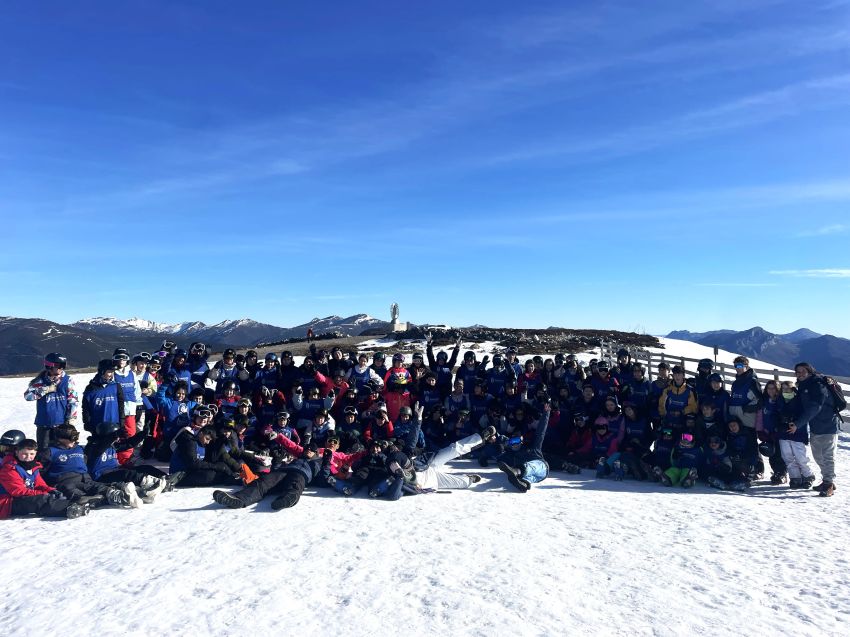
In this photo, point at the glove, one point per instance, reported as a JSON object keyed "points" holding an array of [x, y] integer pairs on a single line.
{"points": [[485, 360], [271, 434], [49, 388]]}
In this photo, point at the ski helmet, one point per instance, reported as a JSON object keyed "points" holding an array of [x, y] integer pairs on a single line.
{"points": [[705, 363], [405, 411], [54, 359], [12, 438], [181, 352], [106, 365], [107, 428]]}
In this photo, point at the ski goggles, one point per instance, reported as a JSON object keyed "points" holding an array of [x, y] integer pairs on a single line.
{"points": [[121, 357], [515, 441], [198, 347], [146, 355], [688, 438], [50, 365], [203, 413]]}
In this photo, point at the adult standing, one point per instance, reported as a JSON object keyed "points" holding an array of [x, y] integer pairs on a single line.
{"points": [[819, 415], [746, 401], [56, 398]]}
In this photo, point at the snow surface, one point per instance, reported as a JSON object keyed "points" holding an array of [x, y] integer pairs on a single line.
{"points": [[573, 555]]}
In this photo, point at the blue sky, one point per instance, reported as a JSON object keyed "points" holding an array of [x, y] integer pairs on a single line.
{"points": [[643, 166]]}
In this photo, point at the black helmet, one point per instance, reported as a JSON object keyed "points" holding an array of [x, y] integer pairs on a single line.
{"points": [[469, 356], [498, 360], [374, 385], [181, 352], [442, 356], [622, 353], [228, 384], [378, 356], [106, 428], [12, 438], [705, 363], [271, 356], [106, 365], [229, 353], [54, 360], [251, 354], [405, 411]]}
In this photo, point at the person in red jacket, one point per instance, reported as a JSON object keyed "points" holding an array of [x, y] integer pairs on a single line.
{"points": [[24, 492]]}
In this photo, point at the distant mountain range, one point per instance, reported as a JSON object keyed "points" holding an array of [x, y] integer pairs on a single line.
{"points": [[829, 354], [24, 341]]}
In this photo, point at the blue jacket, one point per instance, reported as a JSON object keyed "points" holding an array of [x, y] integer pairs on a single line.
{"points": [[816, 407]]}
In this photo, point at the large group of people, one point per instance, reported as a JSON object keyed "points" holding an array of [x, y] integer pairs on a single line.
{"points": [[353, 422]]}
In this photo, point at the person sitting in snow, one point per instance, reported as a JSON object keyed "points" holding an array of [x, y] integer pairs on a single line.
{"points": [[686, 460], [24, 492], [525, 465]]}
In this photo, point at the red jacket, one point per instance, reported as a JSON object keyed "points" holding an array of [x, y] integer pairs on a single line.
{"points": [[14, 485]]}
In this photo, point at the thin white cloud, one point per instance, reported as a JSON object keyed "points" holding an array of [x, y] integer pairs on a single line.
{"points": [[737, 285], [824, 231], [823, 273], [750, 110]]}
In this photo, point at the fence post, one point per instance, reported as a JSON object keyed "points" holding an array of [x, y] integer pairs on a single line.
{"points": [[649, 365], [715, 354], [776, 374]]}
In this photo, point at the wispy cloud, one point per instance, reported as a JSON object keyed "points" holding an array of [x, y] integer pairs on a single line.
{"points": [[823, 273], [749, 110], [736, 285], [824, 231]]}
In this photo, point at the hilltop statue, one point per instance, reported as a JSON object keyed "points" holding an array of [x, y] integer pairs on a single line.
{"points": [[394, 312]]}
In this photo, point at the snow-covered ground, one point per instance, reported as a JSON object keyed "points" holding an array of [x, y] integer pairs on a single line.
{"points": [[573, 555]]}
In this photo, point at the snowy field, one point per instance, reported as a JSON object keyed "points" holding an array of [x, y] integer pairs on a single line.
{"points": [[573, 555]]}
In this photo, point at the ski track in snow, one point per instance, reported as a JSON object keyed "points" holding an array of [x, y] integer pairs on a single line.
{"points": [[574, 554]]}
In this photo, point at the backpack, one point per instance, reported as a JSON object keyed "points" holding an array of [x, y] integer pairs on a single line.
{"points": [[836, 395]]}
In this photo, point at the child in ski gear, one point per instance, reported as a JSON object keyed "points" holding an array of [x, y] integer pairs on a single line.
{"points": [[55, 395], [686, 460], [525, 466], [793, 441], [768, 431], [24, 492]]}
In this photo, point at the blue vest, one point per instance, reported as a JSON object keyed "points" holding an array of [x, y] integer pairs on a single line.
{"points": [[177, 463], [128, 382], [429, 398], [71, 460], [50, 409], [226, 374], [26, 476], [103, 404], [677, 402], [105, 462], [496, 379], [360, 378]]}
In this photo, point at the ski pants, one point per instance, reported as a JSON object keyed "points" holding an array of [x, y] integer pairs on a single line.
{"points": [[41, 505], [74, 485], [134, 475], [823, 451], [796, 459], [129, 431], [289, 485], [677, 474], [43, 437], [205, 478], [433, 477]]}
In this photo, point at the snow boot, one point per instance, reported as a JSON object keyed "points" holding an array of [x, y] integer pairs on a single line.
{"points": [[656, 474], [827, 490], [778, 478], [474, 478], [795, 483], [157, 486], [716, 483], [690, 479], [224, 498], [619, 471], [286, 501], [601, 468], [76, 510], [807, 482], [571, 468], [488, 432], [133, 498], [514, 477], [92, 501], [819, 488], [739, 485], [662, 477], [117, 497]]}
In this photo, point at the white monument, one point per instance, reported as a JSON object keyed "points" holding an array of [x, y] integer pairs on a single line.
{"points": [[395, 324]]}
